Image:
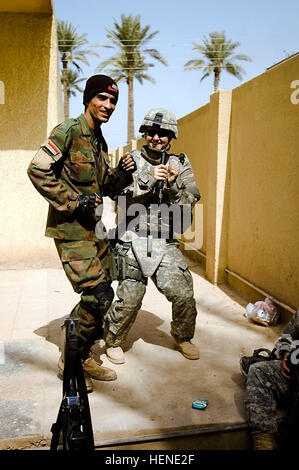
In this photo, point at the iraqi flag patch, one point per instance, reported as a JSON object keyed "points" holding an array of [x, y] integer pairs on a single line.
{"points": [[52, 148], [113, 87]]}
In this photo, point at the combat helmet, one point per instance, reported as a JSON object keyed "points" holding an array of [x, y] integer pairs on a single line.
{"points": [[161, 119]]}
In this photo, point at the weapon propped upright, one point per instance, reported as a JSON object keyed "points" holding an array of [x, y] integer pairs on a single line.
{"points": [[74, 420]]}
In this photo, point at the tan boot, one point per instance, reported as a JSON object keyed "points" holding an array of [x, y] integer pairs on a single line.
{"points": [[264, 441], [97, 372], [115, 355], [188, 349], [88, 381]]}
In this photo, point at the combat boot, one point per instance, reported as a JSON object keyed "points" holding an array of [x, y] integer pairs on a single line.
{"points": [[88, 381], [115, 355], [188, 349], [97, 372], [264, 441]]}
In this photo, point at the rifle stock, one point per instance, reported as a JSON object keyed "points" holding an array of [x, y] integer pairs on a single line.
{"points": [[73, 421]]}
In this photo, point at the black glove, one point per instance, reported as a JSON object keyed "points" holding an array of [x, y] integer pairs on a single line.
{"points": [[127, 173], [86, 204]]}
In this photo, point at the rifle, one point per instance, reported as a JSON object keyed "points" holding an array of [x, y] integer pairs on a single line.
{"points": [[73, 420]]}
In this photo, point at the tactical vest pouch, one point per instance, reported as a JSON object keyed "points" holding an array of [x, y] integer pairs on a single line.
{"points": [[149, 252], [114, 266], [133, 272], [124, 267]]}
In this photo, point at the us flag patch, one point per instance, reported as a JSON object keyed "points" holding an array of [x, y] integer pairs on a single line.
{"points": [[51, 148]]}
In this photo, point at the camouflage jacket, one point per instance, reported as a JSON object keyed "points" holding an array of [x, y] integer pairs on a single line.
{"points": [[73, 161], [183, 193], [286, 342]]}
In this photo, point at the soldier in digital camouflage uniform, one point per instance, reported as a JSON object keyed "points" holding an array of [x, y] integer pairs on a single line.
{"points": [[71, 172], [267, 386], [152, 249]]}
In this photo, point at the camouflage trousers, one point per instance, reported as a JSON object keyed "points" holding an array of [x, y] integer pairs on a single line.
{"points": [[86, 265], [266, 389], [173, 279]]}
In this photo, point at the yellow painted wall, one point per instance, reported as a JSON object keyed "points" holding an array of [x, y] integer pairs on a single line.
{"points": [[26, 6], [263, 229], [194, 138], [32, 106]]}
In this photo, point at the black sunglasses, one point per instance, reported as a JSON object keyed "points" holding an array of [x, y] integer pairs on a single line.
{"points": [[160, 132]]}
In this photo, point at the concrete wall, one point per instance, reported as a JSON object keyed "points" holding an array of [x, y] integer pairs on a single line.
{"points": [[32, 106], [243, 147], [264, 198], [194, 139]]}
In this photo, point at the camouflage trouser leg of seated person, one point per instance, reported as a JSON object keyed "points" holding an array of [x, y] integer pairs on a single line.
{"points": [[265, 388], [173, 279], [87, 266]]}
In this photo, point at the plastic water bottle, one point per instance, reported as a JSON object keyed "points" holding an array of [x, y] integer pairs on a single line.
{"points": [[249, 310]]}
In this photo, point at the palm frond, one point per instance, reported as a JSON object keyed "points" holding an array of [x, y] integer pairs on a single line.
{"points": [[218, 54], [156, 55], [130, 40], [242, 57], [73, 80], [70, 43], [194, 64]]}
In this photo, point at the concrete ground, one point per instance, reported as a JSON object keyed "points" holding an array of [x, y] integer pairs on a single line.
{"points": [[155, 387]]}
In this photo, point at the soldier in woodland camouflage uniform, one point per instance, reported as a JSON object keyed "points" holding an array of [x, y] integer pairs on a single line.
{"points": [[152, 250], [268, 384], [71, 172]]}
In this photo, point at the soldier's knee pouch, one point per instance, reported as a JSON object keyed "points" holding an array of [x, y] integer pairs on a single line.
{"points": [[97, 300]]}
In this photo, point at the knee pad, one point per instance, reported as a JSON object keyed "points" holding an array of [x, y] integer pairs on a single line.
{"points": [[97, 300]]}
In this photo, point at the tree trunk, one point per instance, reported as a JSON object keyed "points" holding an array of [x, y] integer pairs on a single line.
{"points": [[216, 79], [65, 90], [130, 108]]}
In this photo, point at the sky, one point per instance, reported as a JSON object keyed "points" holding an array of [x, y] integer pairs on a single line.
{"points": [[267, 31]]}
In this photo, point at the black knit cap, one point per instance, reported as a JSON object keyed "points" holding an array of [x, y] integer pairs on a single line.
{"points": [[97, 84]]}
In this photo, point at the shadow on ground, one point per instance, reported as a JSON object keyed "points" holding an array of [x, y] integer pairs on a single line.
{"points": [[146, 327]]}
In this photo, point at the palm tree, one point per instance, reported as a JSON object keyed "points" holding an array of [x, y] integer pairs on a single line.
{"points": [[70, 44], [129, 38], [73, 80], [219, 54]]}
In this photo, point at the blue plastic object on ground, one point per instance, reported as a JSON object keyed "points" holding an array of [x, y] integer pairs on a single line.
{"points": [[200, 404]]}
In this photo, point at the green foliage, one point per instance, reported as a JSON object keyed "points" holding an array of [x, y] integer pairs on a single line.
{"points": [[70, 44], [73, 80], [71, 50], [130, 39], [219, 54]]}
